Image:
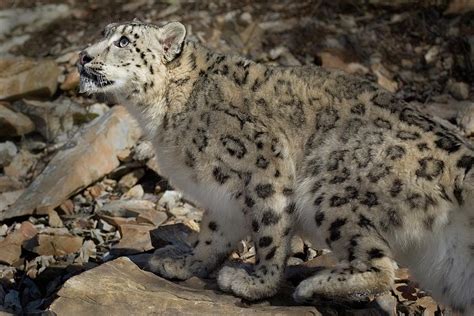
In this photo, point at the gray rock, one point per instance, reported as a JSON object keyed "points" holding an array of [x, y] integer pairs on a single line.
{"points": [[14, 123], [8, 150]]}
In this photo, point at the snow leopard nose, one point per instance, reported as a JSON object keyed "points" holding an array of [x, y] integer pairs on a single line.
{"points": [[84, 58]]}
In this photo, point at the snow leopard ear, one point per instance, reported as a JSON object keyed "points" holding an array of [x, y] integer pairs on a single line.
{"points": [[171, 38]]}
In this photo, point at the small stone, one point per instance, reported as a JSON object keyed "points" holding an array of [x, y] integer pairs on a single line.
{"points": [[154, 217], [432, 54], [8, 198], [130, 179], [126, 208], [8, 150], [67, 207], [170, 199], [179, 210], [117, 221], [23, 77], [135, 192], [143, 151], [465, 120], [54, 220], [71, 81], [384, 78], [125, 155], [98, 109], [459, 90], [3, 230], [14, 123], [11, 245], [103, 225], [429, 305], [135, 239], [20, 165], [88, 250], [54, 245]]}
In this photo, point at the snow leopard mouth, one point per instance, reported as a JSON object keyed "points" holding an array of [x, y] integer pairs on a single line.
{"points": [[91, 79]]}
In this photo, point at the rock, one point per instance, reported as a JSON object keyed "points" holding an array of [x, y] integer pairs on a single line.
{"points": [[170, 199], [335, 61], [20, 165], [98, 109], [465, 120], [88, 250], [23, 21], [180, 235], [130, 179], [7, 152], [388, 303], [180, 210], [384, 78], [136, 192], [143, 151], [14, 123], [135, 239], [459, 7], [71, 81], [54, 245], [429, 305], [52, 118], [8, 198], [139, 211], [22, 78], [459, 90], [3, 230], [142, 292], [75, 167], [432, 54], [54, 220], [9, 184], [12, 301], [11, 245], [67, 207], [126, 208]]}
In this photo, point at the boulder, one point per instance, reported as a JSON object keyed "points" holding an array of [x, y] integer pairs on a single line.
{"points": [[90, 156]]}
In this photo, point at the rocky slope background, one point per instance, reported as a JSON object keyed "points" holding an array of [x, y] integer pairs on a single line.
{"points": [[82, 203]]}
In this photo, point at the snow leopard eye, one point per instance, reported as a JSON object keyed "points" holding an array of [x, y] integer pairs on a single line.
{"points": [[122, 42]]}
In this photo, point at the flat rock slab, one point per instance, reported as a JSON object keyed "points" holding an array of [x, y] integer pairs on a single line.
{"points": [[120, 287]]}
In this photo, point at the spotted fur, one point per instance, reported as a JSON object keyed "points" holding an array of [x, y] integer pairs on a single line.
{"points": [[272, 152]]}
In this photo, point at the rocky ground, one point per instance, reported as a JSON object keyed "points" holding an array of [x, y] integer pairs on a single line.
{"points": [[82, 203]]}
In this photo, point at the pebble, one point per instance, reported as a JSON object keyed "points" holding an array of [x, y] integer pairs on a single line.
{"points": [[170, 199], [8, 151], [459, 90]]}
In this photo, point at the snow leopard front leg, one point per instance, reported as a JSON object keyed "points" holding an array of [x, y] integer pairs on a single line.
{"points": [[269, 211], [218, 236]]}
